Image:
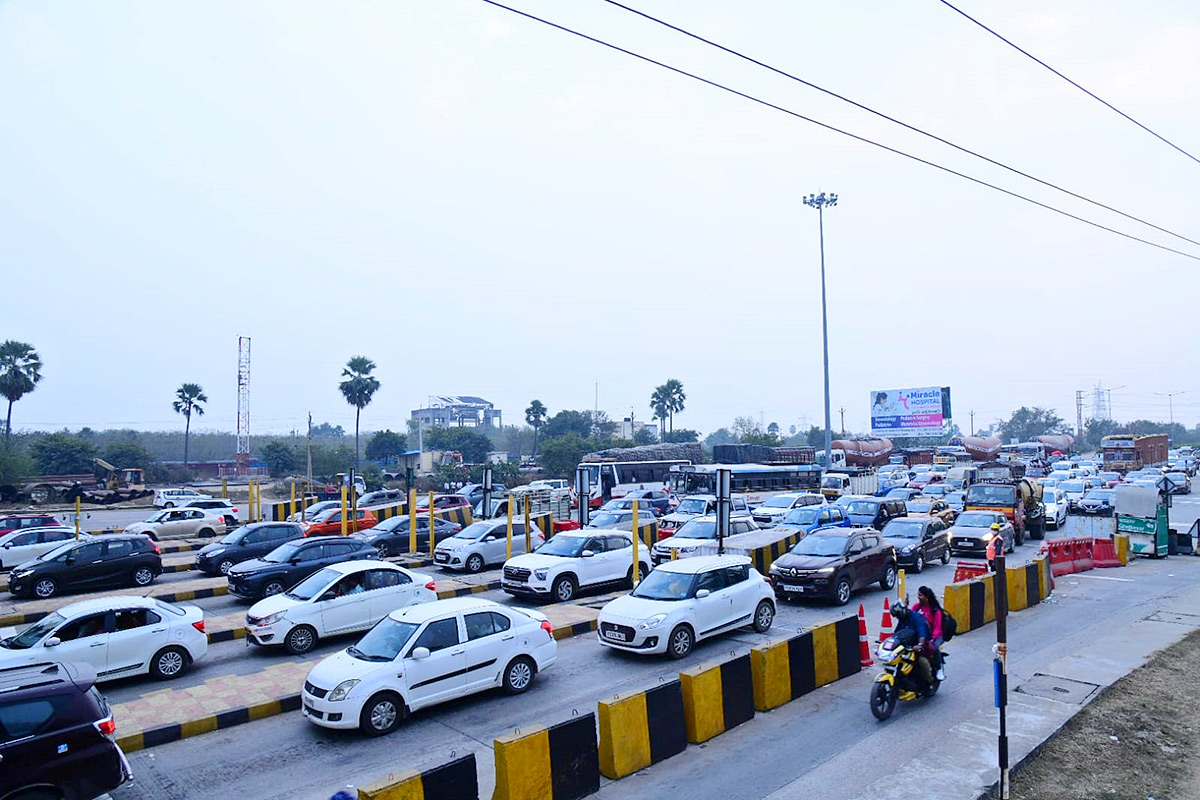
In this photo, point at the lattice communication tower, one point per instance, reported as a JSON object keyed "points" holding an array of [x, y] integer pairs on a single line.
{"points": [[243, 406]]}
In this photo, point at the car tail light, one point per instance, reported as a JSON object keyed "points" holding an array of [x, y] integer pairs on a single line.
{"points": [[154, 544], [431, 586], [107, 726], [548, 628], [199, 626], [234, 510]]}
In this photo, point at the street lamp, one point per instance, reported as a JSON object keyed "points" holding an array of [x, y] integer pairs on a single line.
{"points": [[819, 202], [1171, 401]]}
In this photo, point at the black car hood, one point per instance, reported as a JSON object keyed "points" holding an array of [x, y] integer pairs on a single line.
{"points": [[212, 547], [253, 566], [862, 519], [793, 561]]}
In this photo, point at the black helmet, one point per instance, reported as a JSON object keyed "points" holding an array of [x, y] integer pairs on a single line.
{"points": [[900, 611]]}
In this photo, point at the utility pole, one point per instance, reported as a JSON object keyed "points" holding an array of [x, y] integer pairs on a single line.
{"points": [[1000, 668], [309, 450], [842, 411], [819, 202], [972, 422], [1171, 402], [1079, 414]]}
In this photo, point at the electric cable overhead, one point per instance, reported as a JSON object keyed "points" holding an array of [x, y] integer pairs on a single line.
{"points": [[1092, 95], [826, 126], [893, 120]]}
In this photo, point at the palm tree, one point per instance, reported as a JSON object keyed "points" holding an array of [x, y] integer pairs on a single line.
{"points": [[358, 389], [660, 401], [188, 398], [675, 397], [533, 417], [20, 371]]}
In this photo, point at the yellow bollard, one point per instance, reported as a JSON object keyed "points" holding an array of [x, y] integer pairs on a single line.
{"points": [[508, 547], [549, 525], [224, 488], [292, 508], [528, 531], [250, 500], [77, 512], [431, 522], [636, 568], [412, 521], [343, 509], [901, 594]]}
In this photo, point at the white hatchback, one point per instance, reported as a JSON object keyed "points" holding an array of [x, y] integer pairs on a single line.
{"points": [[118, 636], [427, 654], [26, 544], [342, 598], [483, 543], [683, 602], [172, 498]]}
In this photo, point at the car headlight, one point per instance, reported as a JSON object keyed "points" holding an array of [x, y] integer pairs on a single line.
{"points": [[271, 619], [21, 573], [342, 689], [825, 569], [907, 549], [653, 622], [540, 574]]}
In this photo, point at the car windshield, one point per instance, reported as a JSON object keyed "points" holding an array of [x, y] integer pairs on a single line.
{"points": [[606, 519], [160, 516], [383, 642], [971, 520], [313, 585], [283, 553], [863, 507], [475, 530], [1105, 495], [692, 506], [801, 516], [779, 501], [820, 546], [391, 523], [58, 551], [34, 633], [1071, 486], [919, 506], [664, 585], [235, 535], [563, 546], [903, 529], [698, 529]]}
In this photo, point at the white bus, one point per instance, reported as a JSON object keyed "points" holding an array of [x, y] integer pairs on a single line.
{"points": [[609, 479], [755, 482]]}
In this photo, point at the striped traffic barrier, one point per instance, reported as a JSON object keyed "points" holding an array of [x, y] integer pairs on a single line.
{"points": [[456, 780], [212, 722], [972, 603], [559, 762], [641, 728], [717, 698], [785, 669]]}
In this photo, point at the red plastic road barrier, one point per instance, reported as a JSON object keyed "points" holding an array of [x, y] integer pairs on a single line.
{"points": [[965, 570], [885, 628], [1104, 553], [1059, 550], [561, 525], [864, 649], [1082, 557]]}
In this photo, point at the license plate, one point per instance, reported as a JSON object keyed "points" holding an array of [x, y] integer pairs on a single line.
{"points": [[616, 636], [441, 557], [791, 587], [510, 583]]}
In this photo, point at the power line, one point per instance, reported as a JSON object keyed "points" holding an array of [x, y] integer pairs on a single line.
{"points": [[834, 129], [1095, 97], [895, 121]]}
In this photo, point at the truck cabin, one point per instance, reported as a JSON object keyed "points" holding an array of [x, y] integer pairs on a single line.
{"points": [[998, 496]]}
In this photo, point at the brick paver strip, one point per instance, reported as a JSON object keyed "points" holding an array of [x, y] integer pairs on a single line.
{"points": [[23, 612]]}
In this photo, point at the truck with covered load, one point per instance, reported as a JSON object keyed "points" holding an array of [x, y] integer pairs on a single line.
{"points": [[1019, 498], [1125, 453]]}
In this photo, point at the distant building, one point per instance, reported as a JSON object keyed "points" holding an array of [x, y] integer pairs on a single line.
{"points": [[631, 428], [463, 411]]}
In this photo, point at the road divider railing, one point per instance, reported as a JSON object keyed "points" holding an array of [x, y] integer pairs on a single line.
{"points": [[787, 668], [560, 762], [282, 510], [641, 728], [455, 780], [972, 603]]}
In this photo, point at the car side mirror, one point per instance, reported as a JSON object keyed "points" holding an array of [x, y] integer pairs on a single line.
{"points": [[53, 641], [419, 653], [294, 560], [589, 554], [70, 559], [703, 593], [489, 538], [7, 545]]}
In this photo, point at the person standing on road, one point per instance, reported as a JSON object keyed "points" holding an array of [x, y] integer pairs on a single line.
{"points": [[931, 609], [991, 548]]}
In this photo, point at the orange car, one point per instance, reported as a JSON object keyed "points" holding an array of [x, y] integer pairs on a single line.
{"points": [[330, 522]]}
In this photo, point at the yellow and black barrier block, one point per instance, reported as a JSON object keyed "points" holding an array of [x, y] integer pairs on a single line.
{"points": [[717, 698], [560, 762], [456, 780], [648, 531], [785, 669], [973, 603], [387, 512], [638, 729], [280, 511]]}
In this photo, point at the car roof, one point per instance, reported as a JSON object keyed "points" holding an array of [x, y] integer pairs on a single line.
{"points": [[47, 528], [423, 612], [690, 566], [921, 517], [106, 603], [346, 567]]}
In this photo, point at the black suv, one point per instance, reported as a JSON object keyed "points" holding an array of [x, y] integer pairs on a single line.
{"points": [[290, 563], [875, 512], [113, 560], [833, 563], [919, 540], [56, 734], [249, 541]]}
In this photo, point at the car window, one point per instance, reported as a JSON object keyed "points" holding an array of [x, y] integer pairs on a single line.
{"points": [[736, 574], [86, 553], [82, 628], [256, 536], [312, 553], [28, 717], [713, 580], [596, 544], [480, 625], [937, 526], [439, 635], [24, 539], [57, 536], [382, 578], [350, 584], [618, 542], [336, 549], [119, 548], [130, 618], [823, 518], [281, 532], [857, 545]]}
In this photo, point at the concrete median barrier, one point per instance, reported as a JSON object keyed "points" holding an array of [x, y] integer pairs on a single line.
{"points": [[717, 698], [559, 762], [280, 511], [788, 668], [456, 780], [972, 603], [638, 729]]}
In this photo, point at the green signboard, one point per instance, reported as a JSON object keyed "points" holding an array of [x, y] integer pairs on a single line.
{"points": [[1135, 525]]}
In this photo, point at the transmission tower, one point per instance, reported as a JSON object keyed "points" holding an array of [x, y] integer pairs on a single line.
{"points": [[243, 406]]}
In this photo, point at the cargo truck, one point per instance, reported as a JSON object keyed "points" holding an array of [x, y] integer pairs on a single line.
{"points": [[1020, 499], [836, 484], [1124, 453]]}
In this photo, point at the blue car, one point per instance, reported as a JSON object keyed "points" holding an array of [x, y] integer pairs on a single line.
{"points": [[806, 519]]}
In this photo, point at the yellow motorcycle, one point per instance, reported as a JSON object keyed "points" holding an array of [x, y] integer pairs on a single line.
{"points": [[900, 679]]}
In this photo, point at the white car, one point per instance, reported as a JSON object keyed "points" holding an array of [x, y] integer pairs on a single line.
{"points": [[483, 543], [697, 533], [699, 505], [574, 560], [26, 544], [1074, 490], [119, 636], [683, 602], [777, 507], [427, 654], [1055, 500], [171, 498], [342, 598], [178, 523]]}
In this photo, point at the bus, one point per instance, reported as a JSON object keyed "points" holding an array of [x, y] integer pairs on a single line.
{"points": [[755, 482], [611, 479]]}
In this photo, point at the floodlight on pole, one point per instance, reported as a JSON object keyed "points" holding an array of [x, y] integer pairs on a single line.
{"points": [[820, 202]]}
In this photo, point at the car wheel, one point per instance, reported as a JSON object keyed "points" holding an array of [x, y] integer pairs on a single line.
{"points": [[381, 714], [382, 550], [564, 589], [168, 663], [300, 640], [274, 587], [841, 590], [475, 563], [764, 615], [143, 576], [680, 642], [168, 505], [207, 532], [946, 556], [919, 564], [888, 580], [519, 674], [225, 566], [46, 587]]}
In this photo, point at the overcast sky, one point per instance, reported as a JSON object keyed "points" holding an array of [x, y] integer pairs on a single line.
{"points": [[487, 206]]}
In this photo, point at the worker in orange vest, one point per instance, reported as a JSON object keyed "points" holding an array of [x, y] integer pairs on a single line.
{"points": [[991, 548]]}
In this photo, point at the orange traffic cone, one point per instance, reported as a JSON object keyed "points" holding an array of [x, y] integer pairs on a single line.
{"points": [[864, 651], [885, 629]]}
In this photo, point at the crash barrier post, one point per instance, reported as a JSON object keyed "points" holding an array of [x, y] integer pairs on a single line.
{"points": [[559, 762], [1121, 545], [972, 602], [648, 532], [785, 669], [717, 698], [638, 729], [452, 781], [964, 570]]}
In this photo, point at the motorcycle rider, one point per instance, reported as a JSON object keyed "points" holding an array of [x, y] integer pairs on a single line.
{"points": [[908, 627], [931, 610]]}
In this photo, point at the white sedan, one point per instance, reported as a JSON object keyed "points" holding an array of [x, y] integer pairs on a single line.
{"points": [[427, 654], [682, 602], [342, 598], [26, 544], [119, 636]]}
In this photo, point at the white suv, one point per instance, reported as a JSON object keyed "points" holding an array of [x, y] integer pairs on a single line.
{"points": [[572, 561], [682, 602], [777, 506], [170, 498], [697, 505], [427, 654], [697, 533]]}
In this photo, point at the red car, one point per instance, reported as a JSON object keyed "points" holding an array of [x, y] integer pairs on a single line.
{"points": [[14, 522], [329, 523], [923, 479]]}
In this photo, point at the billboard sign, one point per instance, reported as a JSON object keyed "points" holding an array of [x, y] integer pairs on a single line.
{"points": [[897, 413]]}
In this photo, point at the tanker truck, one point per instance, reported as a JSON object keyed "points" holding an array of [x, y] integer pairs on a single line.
{"points": [[1019, 498], [980, 448], [1058, 442], [860, 452]]}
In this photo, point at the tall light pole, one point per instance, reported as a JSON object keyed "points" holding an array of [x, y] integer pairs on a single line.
{"points": [[819, 202], [1170, 402]]}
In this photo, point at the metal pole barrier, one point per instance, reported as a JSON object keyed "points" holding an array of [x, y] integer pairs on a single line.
{"points": [[636, 537], [901, 587], [528, 531], [412, 521], [583, 491], [1000, 666], [292, 507], [432, 521], [485, 505], [77, 512], [724, 488], [353, 503], [224, 488], [343, 509], [508, 547]]}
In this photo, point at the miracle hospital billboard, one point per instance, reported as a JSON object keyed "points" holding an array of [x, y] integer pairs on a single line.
{"points": [[896, 413]]}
